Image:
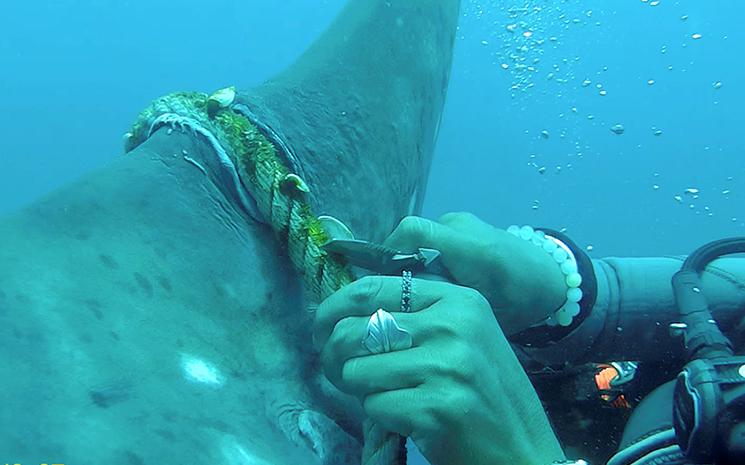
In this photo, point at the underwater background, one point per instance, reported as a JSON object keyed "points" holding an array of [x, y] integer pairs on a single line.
{"points": [[620, 121], [75, 73]]}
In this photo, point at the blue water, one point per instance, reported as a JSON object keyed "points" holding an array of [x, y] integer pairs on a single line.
{"points": [[74, 74], [607, 198]]}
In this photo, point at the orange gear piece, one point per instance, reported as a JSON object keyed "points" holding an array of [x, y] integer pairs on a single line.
{"points": [[603, 380]]}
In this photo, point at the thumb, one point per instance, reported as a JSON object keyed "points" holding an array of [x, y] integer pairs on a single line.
{"points": [[414, 232]]}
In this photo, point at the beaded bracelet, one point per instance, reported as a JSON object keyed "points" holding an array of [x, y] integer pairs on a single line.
{"points": [[564, 257]]}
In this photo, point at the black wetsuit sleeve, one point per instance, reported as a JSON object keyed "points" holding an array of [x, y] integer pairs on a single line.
{"points": [[633, 309]]}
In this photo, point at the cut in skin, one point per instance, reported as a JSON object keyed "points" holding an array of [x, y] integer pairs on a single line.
{"points": [[147, 318]]}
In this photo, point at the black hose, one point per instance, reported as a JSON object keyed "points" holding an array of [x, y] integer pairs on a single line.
{"points": [[706, 254], [703, 338]]}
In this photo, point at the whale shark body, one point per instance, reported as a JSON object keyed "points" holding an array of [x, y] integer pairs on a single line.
{"points": [[147, 317]]}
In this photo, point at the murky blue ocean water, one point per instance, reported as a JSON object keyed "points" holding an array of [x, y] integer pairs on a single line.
{"points": [[619, 121]]}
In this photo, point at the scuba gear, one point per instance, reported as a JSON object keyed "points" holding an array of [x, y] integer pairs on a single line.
{"points": [[610, 380], [589, 398], [606, 385], [709, 396], [709, 410], [705, 422]]}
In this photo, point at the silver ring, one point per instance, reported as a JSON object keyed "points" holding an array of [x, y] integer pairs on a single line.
{"points": [[385, 335], [406, 284]]}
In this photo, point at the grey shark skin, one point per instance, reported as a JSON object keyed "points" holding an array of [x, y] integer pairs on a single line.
{"points": [[145, 318]]}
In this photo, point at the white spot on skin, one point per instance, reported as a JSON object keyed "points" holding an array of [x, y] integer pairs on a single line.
{"points": [[200, 371]]}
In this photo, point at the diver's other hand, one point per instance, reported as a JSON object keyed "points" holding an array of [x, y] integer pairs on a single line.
{"points": [[459, 392], [521, 281]]}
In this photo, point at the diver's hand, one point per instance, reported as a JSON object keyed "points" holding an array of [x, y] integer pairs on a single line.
{"points": [[459, 392], [522, 283]]}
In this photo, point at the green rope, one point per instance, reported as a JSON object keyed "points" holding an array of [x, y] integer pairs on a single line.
{"points": [[280, 197], [279, 194]]}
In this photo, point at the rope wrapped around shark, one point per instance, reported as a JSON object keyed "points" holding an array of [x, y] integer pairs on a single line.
{"points": [[277, 194]]}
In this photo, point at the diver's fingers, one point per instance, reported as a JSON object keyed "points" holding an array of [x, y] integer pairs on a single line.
{"points": [[352, 368], [393, 410], [365, 296], [364, 376], [417, 410]]}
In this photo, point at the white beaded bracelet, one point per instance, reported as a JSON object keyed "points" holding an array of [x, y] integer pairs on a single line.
{"points": [[564, 257]]}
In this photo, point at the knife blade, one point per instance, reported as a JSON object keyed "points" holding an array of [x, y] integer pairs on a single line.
{"points": [[381, 259]]}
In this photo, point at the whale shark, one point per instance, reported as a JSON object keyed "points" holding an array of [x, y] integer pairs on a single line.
{"points": [[148, 313]]}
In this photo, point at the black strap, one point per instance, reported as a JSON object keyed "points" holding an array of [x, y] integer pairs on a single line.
{"points": [[541, 336]]}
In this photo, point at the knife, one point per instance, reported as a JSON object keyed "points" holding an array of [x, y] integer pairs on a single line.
{"points": [[378, 258]]}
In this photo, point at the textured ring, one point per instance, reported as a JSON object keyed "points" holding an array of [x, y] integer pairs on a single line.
{"points": [[406, 284], [385, 335]]}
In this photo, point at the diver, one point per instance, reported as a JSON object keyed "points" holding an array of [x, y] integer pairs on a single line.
{"points": [[434, 364]]}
